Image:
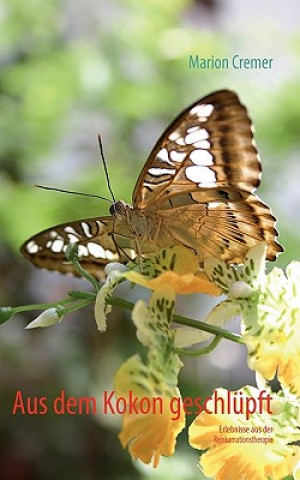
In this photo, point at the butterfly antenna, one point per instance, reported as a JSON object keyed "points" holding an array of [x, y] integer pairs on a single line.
{"points": [[105, 168], [73, 193]]}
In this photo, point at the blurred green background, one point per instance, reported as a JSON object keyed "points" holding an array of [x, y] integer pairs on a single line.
{"points": [[71, 69]]}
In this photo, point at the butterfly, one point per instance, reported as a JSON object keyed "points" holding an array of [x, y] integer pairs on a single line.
{"points": [[196, 189]]}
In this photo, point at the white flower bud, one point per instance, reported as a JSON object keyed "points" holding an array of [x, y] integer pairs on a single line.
{"points": [[45, 319], [114, 266], [240, 290]]}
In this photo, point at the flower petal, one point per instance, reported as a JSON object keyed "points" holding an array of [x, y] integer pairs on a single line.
{"points": [[153, 433], [222, 313], [186, 337], [177, 259], [182, 284], [251, 272], [237, 454], [102, 308]]}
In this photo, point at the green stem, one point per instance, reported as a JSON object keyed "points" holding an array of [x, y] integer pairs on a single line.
{"points": [[82, 295], [234, 337], [72, 255], [74, 307], [40, 306], [89, 297], [85, 274], [200, 351]]}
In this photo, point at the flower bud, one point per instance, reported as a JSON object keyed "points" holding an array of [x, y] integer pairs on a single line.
{"points": [[114, 267], [45, 319]]}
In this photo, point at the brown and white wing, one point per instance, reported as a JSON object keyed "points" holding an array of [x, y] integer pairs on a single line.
{"points": [[96, 239], [208, 145], [224, 224], [200, 178]]}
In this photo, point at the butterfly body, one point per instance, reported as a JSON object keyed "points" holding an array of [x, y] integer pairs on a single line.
{"points": [[196, 189]]}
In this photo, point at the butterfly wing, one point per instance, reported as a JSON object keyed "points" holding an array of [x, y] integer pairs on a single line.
{"points": [[200, 178], [210, 144], [225, 224], [100, 240]]}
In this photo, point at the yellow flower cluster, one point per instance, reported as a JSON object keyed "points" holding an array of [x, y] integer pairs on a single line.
{"points": [[237, 447]]}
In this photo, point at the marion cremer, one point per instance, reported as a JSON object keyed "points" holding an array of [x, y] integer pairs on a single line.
{"points": [[236, 62]]}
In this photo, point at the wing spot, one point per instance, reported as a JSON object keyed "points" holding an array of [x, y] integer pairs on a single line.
{"points": [[200, 175], [202, 144], [69, 229], [87, 229], [32, 247], [83, 251], [202, 110], [174, 136], [193, 129], [213, 205], [72, 238], [201, 157], [163, 155], [57, 246], [197, 136], [101, 226], [156, 172], [180, 141], [110, 255], [177, 156], [148, 185], [96, 250]]}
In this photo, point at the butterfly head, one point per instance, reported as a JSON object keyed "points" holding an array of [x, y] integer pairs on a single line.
{"points": [[118, 209]]}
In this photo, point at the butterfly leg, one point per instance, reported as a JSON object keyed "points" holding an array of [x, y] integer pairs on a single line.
{"points": [[139, 252], [119, 250], [157, 230]]}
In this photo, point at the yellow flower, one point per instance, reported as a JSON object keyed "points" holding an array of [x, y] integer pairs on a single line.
{"points": [[274, 345], [237, 448], [241, 284], [151, 429], [175, 269], [150, 434], [270, 310]]}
